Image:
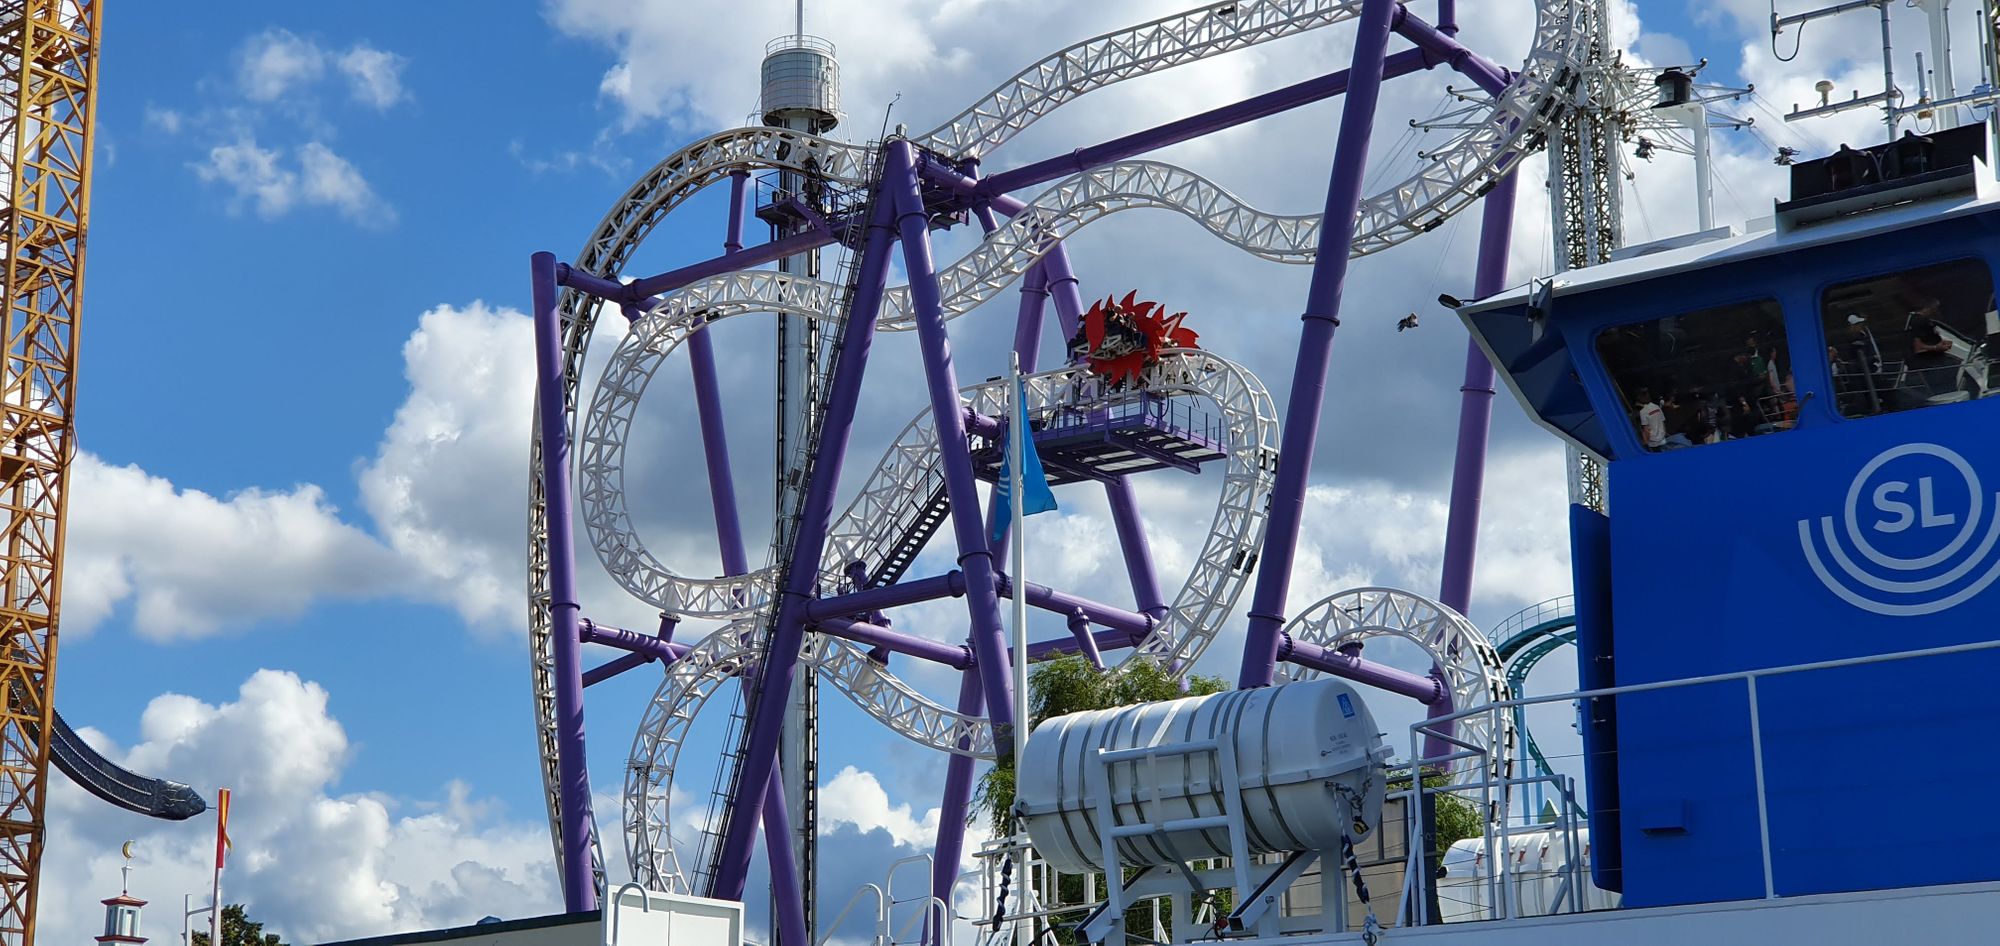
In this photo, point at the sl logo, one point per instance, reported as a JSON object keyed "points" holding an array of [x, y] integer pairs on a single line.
{"points": [[1912, 514]]}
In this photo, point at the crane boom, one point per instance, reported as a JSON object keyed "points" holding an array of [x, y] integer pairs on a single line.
{"points": [[48, 104]]}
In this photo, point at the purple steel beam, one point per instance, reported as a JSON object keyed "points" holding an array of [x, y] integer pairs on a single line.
{"points": [[785, 892], [1444, 47], [760, 738], [955, 656], [1125, 519], [1063, 603], [614, 667], [1028, 322], [1193, 126], [1137, 551], [632, 641], [950, 846], [1322, 315], [1086, 642], [1109, 639], [777, 816], [888, 596], [748, 258], [975, 555], [1424, 689], [1475, 407], [708, 404], [565, 644]]}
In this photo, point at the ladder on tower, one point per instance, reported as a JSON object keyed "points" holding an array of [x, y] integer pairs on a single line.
{"points": [[784, 538]]}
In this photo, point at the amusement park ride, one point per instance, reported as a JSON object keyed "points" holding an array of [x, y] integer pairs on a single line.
{"points": [[1787, 415], [1650, 363]]}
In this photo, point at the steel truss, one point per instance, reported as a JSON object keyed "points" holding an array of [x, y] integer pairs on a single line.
{"points": [[1451, 178]]}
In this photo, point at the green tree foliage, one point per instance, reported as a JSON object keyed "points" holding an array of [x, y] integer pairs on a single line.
{"points": [[1069, 684], [239, 930]]}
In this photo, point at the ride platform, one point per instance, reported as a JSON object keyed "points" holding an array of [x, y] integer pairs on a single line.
{"points": [[1103, 438]]}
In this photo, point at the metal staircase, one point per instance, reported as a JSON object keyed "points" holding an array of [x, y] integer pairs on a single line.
{"points": [[920, 522]]}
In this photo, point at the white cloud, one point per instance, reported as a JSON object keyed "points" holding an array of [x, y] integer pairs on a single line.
{"points": [[448, 484], [263, 180], [856, 798], [165, 119], [328, 179], [192, 564], [275, 62], [314, 864], [374, 76], [253, 175]]}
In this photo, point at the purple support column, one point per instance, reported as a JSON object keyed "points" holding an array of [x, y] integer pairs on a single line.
{"points": [[1343, 201], [708, 404], [1138, 552], [1063, 288], [975, 555], [767, 715], [950, 846], [786, 896], [1475, 408], [572, 775], [1028, 323], [1124, 509]]}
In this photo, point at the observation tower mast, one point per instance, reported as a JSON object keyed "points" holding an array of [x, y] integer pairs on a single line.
{"points": [[801, 92]]}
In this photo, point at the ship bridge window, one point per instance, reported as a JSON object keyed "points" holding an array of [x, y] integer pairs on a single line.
{"points": [[1912, 339], [1703, 377]]}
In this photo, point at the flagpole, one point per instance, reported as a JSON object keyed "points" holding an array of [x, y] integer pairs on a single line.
{"points": [[215, 890], [1016, 458]]}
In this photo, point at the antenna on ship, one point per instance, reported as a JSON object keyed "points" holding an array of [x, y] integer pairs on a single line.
{"points": [[1938, 99]]}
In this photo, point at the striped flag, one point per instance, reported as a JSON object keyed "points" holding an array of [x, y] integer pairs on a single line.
{"points": [[222, 842]]}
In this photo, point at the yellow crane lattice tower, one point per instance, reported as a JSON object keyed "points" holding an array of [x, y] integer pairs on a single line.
{"points": [[48, 103]]}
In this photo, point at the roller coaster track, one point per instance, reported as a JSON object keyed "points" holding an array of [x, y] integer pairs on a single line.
{"points": [[1526, 637], [1483, 150], [876, 523]]}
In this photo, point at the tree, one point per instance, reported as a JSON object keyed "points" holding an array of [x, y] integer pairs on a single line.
{"points": [[239, 930]]}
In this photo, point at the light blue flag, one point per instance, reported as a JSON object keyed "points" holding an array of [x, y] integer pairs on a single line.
{"points": [[1035, 493]]}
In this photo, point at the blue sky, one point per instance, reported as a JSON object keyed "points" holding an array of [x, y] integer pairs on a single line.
{"points": [[310, 224]]}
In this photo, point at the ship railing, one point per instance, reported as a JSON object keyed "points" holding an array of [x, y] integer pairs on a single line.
{"points": [[927, 925], [1495, 794]]}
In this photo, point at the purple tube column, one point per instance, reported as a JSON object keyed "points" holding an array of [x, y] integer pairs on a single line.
{"points": [[767, 716], [1124, 508], [1322, 315], [950, 847], [777, 816], [572, 775], [708, 404], [1475, 408], [975, 555], [1028, 323]]}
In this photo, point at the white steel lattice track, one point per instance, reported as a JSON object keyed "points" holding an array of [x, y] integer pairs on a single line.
{"points": [[873, 522], [1472, 668], [1451, 178]]}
